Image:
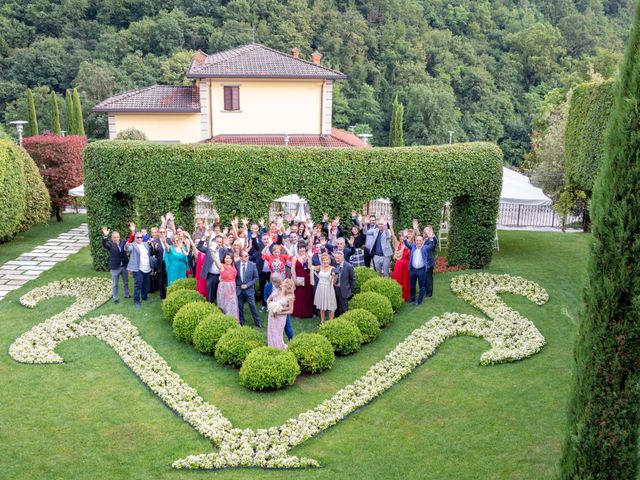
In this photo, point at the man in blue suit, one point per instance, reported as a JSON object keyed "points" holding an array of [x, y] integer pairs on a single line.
{"points": [[421, 263], [245, 287]]}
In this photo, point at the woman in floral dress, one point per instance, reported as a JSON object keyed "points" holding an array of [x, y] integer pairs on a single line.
{"points": [[227, 300], [280, 304]]}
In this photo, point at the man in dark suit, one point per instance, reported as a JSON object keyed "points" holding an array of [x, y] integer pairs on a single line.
{"points": [[210, 271], [421, 263], [345, 282], [160, 269], [245, 287], [118, 261]]}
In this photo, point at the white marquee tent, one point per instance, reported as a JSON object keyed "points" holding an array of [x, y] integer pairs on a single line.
{"points": [[516, 188]]}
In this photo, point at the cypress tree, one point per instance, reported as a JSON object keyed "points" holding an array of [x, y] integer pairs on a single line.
{"points": [[77, 113], [33, 118], [602, 435], [69, 112], [55, 113], [396, 136]]}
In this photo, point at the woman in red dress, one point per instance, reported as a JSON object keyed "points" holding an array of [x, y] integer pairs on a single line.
{"points": [[401, 268], [303, 306], [201, 283]]}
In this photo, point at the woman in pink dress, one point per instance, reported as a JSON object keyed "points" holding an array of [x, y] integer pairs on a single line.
{"points": [[303, 307], [401, 268], [284, 299], [227, 299], [201, 283]]}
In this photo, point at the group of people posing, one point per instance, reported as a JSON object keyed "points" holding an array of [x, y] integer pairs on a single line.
{"points": [[305, 268]]}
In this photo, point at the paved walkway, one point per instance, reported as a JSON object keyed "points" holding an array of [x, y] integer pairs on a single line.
{"points": [[28, 266]]}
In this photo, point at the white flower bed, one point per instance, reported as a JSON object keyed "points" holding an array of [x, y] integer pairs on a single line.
{"points": [[511, 336]]}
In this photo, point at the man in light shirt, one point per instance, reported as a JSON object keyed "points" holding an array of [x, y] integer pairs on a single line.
{"points": [[140, 265]]}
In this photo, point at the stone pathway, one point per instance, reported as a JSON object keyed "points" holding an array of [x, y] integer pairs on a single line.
{"points": [[28, 266]]}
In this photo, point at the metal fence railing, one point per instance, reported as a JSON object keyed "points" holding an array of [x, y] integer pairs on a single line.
{"points": [[520, 215]]}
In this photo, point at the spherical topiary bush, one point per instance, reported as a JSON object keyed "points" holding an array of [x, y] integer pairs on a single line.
{"points": [[131, 133], [375, 303], [313, 351], [387, 287], [181, 284], [363, 274], [366, 322], [177, 300], [208, 332], [234, 346], [189, 316], [343, 335], [268, 368]]}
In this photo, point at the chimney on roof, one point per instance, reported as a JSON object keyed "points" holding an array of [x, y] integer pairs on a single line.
{"points": [[295, 53], [315, 57], [199, 56]]}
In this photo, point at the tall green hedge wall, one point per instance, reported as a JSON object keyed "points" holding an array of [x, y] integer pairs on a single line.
{"points": [[589, 113], [141, 181]]}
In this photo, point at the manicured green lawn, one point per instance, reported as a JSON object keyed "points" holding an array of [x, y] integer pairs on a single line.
{"points": [[26, 241], [451, 419]]}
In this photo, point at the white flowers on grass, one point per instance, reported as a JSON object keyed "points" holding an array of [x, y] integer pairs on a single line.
{"points": [[36, 346], [512, 337]]}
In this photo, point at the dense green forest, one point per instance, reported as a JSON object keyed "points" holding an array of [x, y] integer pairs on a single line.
{"points": [[485, 69]]}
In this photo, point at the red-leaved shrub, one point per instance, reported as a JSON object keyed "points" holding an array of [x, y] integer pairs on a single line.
{"points": [[60, 162], [441, 266]]}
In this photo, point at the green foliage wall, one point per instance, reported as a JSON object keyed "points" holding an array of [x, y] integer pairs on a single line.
{"points": [[11, 190], [589, 115], [601, 439], [122, 178], [24, 200]]}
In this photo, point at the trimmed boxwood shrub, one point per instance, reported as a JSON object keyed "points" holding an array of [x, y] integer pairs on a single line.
{"points": [[343, 335], [366, 322], [375, 303], [181, 284], [387, 287], [234, 346], [36, 196], [131, 133], [210, 330], [470, 175], [12, 184], [177, 300], [313, 352], [268, 368], [189, 316], [363, 274]]}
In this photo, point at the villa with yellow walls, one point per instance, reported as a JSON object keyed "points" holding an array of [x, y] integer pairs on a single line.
{"points": [[249, 95]]}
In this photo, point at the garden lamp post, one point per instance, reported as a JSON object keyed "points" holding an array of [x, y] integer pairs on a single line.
{"points": [[450, 136], [19, 124]]}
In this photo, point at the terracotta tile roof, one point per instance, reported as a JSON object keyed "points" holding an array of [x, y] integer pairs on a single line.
{"points": [[257, 61], [337, 139], [157, 98]]}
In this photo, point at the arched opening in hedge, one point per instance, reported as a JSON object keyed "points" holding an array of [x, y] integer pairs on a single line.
{"points": [[293, 205], [418, 180], [379, 207], [205, 210]]}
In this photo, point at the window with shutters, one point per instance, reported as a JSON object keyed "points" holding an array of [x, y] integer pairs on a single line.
{"points": [[231, 97]]}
